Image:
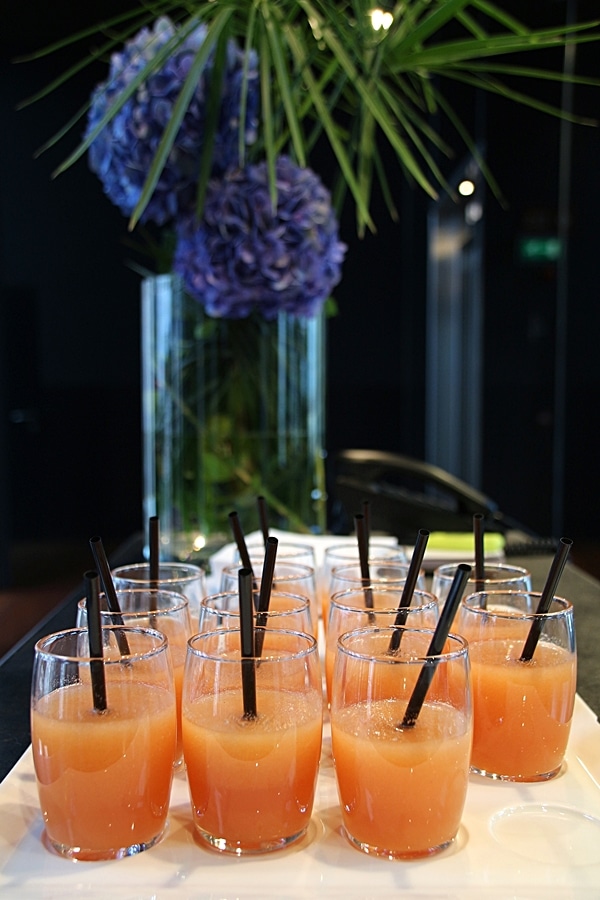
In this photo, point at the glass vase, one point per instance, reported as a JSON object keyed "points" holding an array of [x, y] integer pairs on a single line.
{"points": [[233, 409]]}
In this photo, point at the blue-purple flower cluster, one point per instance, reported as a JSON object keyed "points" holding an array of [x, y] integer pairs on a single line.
{"points": [[245, 255], [122, 154], [242, 254]]}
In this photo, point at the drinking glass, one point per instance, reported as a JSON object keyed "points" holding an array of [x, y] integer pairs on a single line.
{"points": [[293, 578], [497, 577], [381, 572], [347, 554], [348, 611], [290, 551], [252, 772], [286, 611], [183, 578], [522, 707], [402, 787], [164, 611], [103, 776]]}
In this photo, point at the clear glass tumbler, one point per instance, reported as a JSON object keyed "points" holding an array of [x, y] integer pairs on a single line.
{"points": [[402, 784], [252, 769], [164, 611], [183, 578], [523, 701], [103, 775]]}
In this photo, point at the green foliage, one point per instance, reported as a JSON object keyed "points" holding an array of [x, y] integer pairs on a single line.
{"points": [[328, 75]]}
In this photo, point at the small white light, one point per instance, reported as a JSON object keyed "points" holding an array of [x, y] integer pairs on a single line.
{"points": [[381, 19], [466, 188], [199, 542]]}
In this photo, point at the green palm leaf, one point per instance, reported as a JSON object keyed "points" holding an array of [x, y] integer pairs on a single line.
{"points": [[325, 72]]}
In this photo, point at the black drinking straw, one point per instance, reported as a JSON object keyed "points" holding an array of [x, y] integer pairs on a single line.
{"points": [[247, 643], [154, 551], [554, 575], [363, 555], [95, 641], [110, 593], [479, 553], [436, 646], [234, 521], [366, 508], [264, 597], [409, 587], [263, 519]]}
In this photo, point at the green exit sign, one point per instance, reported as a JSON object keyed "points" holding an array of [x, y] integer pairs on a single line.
{"points": [[539, 249]]}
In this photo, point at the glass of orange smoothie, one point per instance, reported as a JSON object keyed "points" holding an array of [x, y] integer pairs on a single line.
{"points": [[347, 554], [252, 778], [165, 611], [290, 577], [291, 551], [103, 776], [348, 611], [522, 707], [287, 611], [496, 577], [402, 787], [181, 578]]}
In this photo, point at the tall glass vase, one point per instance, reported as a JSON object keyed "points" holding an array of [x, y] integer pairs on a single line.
{"points": [[233, 409]]}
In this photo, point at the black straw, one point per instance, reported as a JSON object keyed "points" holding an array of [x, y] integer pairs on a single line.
{"points": [[264, 597], [409, 587], [479, 553], [234, 521], [110, 593], [436, 646], [263, 519], [95, 641], [363, 555], [247, 643], [366, 508], [554, 575]]}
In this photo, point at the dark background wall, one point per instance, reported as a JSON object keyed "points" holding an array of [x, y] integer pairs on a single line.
{"points": [[69, 319]]}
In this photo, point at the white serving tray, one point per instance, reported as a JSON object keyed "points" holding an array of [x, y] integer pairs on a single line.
{"points": [[434, 555], [516, 841]]}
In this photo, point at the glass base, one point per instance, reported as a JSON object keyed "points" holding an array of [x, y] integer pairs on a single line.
{"points": [[86, 855], [496, 776], [237, 848], [395, 854]]}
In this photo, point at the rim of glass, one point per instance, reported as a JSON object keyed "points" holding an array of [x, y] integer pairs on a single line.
{"points": [[160, 644], [381, 589], [206, 636], [302, 604], [181, 602], [299, 571], [346, 551], [189, 572], [447, 571], [337, 572], [515, 613], [255, 546], [461, 642]]}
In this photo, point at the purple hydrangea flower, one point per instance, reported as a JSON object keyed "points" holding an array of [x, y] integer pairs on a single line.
{"points": [[242, 255], [123, 152]]}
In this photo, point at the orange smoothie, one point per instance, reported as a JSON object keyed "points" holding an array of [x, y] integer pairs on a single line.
{"points": [[384, 681], [178, 660], [402, 792], [104, 779], [522, 710], [177, 652], [252, 782]]}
